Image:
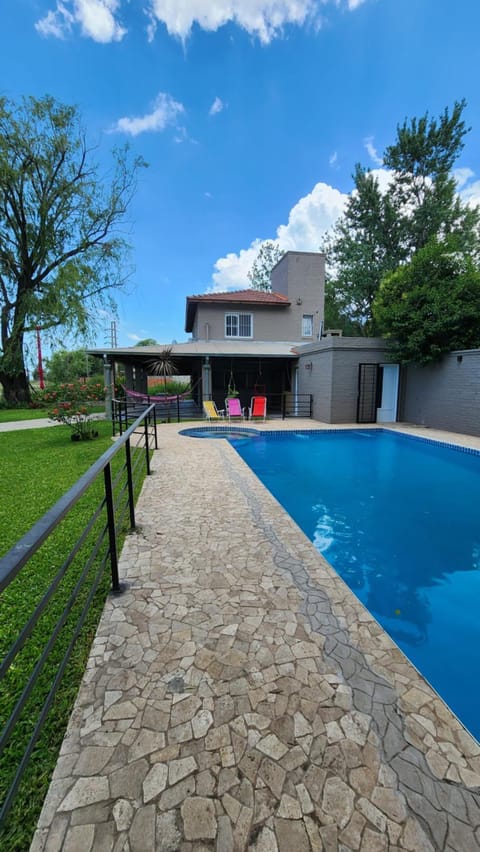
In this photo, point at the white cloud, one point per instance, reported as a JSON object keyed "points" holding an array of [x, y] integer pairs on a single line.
{"points": [[470, 194], [57, 24], [231, 271], [311, 218], [372, 151], [462, 176], [308, 221], [263, 19], [383, 176], [217, 106], [164, 113], [96, 19]]}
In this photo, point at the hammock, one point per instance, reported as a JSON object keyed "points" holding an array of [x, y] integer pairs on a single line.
{"points": [[148, 398]]}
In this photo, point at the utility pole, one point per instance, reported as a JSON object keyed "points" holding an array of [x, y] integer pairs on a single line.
{"points": [[40, 362]]}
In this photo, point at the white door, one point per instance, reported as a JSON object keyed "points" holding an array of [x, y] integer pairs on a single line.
{"points": [[387, 413]]}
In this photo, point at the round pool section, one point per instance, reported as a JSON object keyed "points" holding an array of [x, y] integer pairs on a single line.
{"points": [[234, 433]]}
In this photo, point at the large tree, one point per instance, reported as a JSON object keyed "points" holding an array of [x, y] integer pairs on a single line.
{"points": [[423, 190], [268, 256], [61, 248], [431, 305], [69, 365], [380, 230], [367, 243]]}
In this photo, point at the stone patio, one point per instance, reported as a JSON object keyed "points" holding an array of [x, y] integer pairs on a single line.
{"points": [[239, 697]]}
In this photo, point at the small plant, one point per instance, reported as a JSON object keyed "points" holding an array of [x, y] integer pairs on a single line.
{"points": [[72, 407]]}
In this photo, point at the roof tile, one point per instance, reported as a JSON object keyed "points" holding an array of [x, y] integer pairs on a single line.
{"points": [[250, 295]]}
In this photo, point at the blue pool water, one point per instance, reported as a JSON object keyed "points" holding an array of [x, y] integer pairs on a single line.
{"points": [[234, 433], [399, 520]]}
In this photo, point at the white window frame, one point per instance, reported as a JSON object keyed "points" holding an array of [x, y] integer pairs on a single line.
{"points": [[235, 325], [306, 333]]}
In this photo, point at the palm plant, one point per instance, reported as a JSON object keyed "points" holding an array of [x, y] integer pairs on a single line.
{"points": [[163, 365]]}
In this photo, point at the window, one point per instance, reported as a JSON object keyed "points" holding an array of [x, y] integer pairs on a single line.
{"points": [[238, 325], [307, 325]]}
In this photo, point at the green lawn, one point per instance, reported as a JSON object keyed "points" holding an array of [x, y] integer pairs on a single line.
{"points": [[36, 467], [9, 415]]}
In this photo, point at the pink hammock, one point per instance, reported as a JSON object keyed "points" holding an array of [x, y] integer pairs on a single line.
{"points": [[147, 398]]}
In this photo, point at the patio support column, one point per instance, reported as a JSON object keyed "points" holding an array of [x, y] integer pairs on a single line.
{"points": [[295, 387], [206, 378], [129, 376], [109, 390]]}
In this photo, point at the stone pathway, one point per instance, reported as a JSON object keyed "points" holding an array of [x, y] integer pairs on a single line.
{"points": [[238, 697]]}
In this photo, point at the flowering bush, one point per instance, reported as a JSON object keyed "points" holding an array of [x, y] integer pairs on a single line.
{"points": [[71, 406]]}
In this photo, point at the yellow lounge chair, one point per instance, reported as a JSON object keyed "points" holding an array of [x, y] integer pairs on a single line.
{"points": [[211, 411]]}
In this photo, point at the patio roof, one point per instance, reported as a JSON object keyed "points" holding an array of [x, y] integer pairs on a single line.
{"points": [[202, 348]]}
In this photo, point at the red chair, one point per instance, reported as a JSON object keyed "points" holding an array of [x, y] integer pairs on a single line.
{"points": [[258, 408]]}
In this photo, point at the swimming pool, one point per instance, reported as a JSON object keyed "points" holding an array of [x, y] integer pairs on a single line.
{"points": [[237, 433], [399, 519]]}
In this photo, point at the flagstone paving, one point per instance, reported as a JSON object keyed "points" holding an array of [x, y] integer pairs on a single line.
{"points": [[238, 697]]}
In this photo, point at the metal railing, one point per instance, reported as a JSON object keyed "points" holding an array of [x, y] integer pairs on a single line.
{"points": [[174, 410], [296, 405], [67, 550], [282, 405]]}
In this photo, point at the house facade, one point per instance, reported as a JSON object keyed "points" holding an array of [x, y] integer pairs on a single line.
{"points": [[274, 343], [292, 311], [248, 339]]}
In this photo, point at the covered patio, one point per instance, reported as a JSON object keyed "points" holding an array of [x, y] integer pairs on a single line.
{"points": [[268, 368]]}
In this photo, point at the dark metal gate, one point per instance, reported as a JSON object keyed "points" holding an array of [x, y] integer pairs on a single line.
{"points": [[369, 389]]}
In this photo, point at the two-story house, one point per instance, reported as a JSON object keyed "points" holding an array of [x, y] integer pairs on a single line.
{"points": [[246, 338], [274, 343]]}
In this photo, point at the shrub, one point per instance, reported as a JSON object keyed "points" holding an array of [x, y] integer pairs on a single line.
{"points": [[71, 405]]}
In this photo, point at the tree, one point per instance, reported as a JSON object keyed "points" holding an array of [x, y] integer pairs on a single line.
{"points": [[431, 305], [65, 366], [367, 243], [381, 230], [148, 341], [424, 190], [61, 250], [268, 255]]}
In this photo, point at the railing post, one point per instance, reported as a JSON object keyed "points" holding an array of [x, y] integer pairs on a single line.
{"points": [[155, 426], [147, 448], [178, 408], [107, 474], [311, 405], [131, 496], [284, 402]]}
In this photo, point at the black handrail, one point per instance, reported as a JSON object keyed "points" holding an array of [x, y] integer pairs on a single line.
{"points": [[100, 538]]}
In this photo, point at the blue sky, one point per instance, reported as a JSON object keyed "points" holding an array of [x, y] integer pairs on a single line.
{"points": [[250, 113]]}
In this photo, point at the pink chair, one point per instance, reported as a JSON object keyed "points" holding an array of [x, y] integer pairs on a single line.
{"points": [[234, 409], [258, 408]]}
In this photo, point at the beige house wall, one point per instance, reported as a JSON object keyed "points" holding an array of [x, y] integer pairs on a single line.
{"points": [[328, 369], [269, 323], [444, 395], [298, 275], [301, 277]]}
